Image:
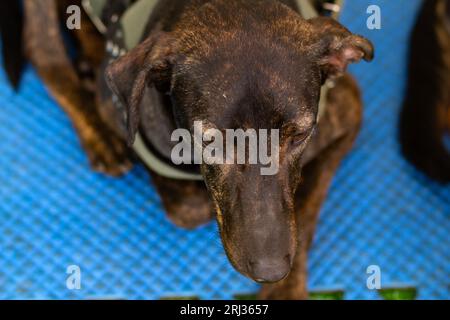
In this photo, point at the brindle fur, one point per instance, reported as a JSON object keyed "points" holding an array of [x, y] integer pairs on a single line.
{"points": [[45, 48], [425, 116], [261, 37]]}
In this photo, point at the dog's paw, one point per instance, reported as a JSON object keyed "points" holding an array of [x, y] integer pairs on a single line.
{"points": [[188, 216], [107, 153], [283, 291], [186, 202]]}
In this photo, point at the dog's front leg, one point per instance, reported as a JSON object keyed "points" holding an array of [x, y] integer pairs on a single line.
{"points": [[186, 202], [45, 48]]}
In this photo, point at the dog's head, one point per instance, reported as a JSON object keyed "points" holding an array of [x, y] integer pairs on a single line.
{"points": [[260, 68]]}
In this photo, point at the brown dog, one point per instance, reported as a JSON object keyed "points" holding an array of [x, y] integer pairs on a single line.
{"points": [[425, 117], [231, 64]]}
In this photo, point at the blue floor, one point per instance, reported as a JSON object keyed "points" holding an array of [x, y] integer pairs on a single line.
{"points": [[55, 212]]}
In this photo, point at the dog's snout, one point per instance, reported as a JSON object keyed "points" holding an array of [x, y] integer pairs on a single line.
{"points": [[270, 270]]}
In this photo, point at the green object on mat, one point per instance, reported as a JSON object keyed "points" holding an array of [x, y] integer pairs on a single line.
{"points": [[399, 294]]}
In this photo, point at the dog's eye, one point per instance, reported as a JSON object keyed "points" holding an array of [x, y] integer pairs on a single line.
{"points": [[299, 137]]}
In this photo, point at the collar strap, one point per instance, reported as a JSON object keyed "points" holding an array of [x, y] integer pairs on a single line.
{"points": [[132, 24]]}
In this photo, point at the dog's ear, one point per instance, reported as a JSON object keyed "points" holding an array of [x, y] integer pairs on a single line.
{"points": [[148, 63], [338, 47]]}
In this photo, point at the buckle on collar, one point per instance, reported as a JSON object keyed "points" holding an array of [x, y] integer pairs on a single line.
{"points": [[332, 8]]}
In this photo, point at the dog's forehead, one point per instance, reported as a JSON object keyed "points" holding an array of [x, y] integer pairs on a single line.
{"points": [[269, 81], [285, 75], [259, 107], [255, 93]]}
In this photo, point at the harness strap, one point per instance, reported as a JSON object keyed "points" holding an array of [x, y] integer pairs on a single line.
{"points": [[132, 24], [308, 11], [94, 9], [159, 166]]}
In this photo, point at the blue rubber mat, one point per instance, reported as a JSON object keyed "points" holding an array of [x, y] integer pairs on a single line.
{"points": [[55, 212]]}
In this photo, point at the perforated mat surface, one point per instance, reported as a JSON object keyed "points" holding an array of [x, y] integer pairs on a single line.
{"points": [[55, 212]]}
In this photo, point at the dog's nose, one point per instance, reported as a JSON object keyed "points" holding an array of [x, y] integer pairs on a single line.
{"points": [[272, 270]]}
